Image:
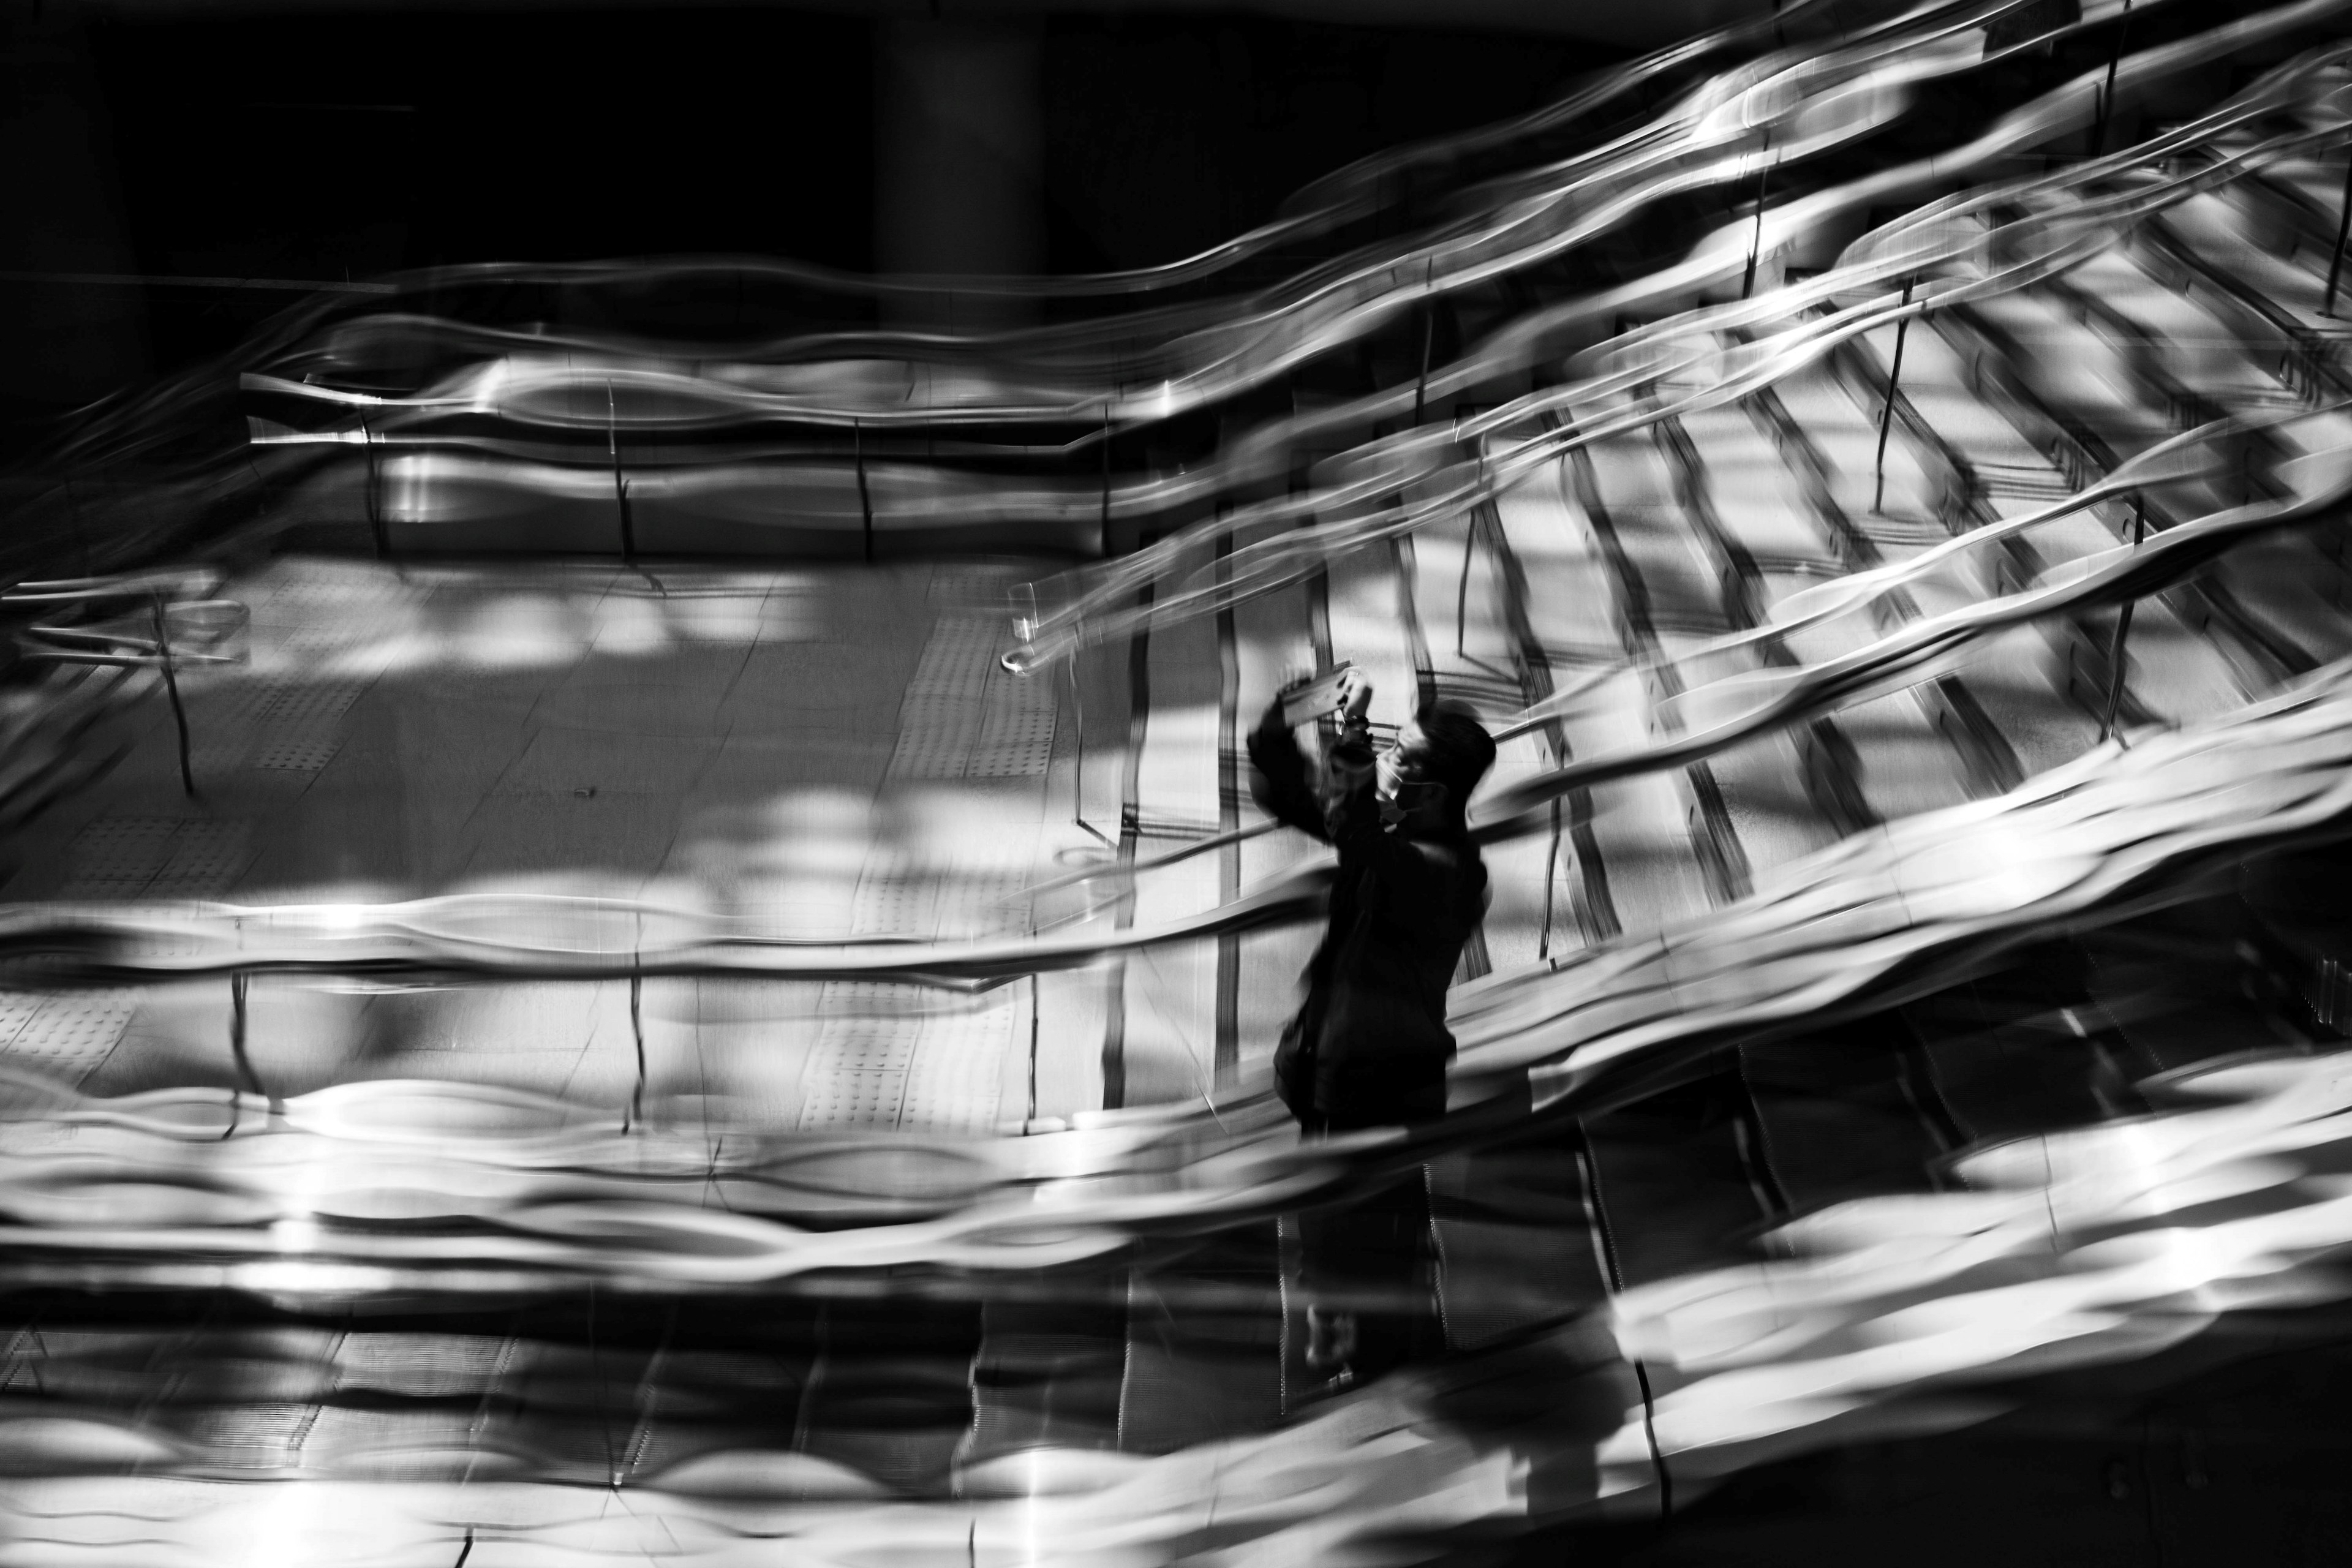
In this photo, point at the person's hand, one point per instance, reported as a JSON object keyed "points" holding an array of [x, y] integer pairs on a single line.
{"points": [[1297, 702], [1355, 698]]}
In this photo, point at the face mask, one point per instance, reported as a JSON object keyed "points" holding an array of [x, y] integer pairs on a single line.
{"points": [[1400, 794]]}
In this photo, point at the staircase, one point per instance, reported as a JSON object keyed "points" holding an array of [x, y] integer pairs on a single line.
{"points": [[478, 1402]]}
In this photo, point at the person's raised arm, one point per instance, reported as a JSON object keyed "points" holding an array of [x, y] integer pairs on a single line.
{"points": [[1279, 779], [1419, 872]]}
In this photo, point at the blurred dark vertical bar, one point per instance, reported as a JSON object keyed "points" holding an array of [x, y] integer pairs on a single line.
{"points": [[61, 345], [2343, 232], [959, 130], [1106, 546], [1229, 818], [864, 495], [1887, 408], [1428, 339], [1138, 709], [1318, 586], [171, 689]]}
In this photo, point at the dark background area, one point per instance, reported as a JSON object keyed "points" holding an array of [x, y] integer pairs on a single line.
{"points": [[347, 145], [304, 146], [1164, 136]]}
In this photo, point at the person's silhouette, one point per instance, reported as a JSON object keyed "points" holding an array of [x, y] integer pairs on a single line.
{"points": [[1369, 1047]]}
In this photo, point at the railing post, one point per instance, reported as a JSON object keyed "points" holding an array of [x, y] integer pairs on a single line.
{"points": [[1078, 768], [1428, 336], [1886, 413], [636, 1110], [171, 689], [1032, 1117], [1461, 593], [2123, 630], [1755, 248], [2107, 94], [2343, 231], [1551, 875], [375, 493], [1106, 481], [865, 496], [620, 482], [246, 1075]]}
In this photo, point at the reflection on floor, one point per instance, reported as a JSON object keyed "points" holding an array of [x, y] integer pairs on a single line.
{"points": [[1803, 1244], [2014, 1182], [807, 753]]}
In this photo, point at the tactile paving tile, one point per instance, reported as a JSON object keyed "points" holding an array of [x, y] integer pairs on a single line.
{"points": [[898, 897], [320, 588], [17, 1010], [867, 1039], [299, 753], [934, 736], [964, 716], [892, 898], [905, 1055], [294, 725], [154, 856], [301, 724], [117, 857], [857, 1072], [957, 1077], [972, 902], [957, 655], [306, 702], [895, 1055], [895, 903], [68, 1034], [853, 1097], [1016, 728], [312, 617], [206, 859]]}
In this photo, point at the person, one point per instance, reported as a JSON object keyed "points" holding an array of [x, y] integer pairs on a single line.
{"points": [[1369, 1047]]}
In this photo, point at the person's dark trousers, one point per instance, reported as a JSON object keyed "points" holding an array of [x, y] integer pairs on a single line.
{"points": [[1373, 1254]]}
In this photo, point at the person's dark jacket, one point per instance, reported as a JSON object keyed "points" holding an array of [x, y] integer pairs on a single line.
{"points": [[1370, 1047]]}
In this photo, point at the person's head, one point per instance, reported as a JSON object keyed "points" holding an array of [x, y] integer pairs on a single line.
{"points": [[1438, 760]]}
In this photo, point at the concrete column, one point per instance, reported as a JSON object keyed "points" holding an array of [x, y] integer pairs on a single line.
{"points": [[958, 160], [61, 344]]}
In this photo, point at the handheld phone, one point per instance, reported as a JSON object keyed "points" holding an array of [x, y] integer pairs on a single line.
{"points": [[1316, 699]]}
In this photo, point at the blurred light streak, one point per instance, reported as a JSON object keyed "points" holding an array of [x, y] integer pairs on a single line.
{"points": [[1881, 1314]]}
